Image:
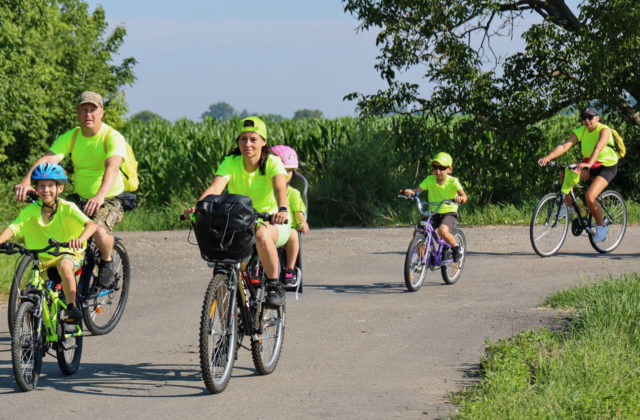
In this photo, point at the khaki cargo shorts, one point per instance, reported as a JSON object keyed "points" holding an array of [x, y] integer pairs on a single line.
{"points": [[109, 214]]}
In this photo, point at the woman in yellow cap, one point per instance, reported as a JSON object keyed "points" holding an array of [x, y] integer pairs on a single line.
{"points": [[440, 186], [250, 169]]}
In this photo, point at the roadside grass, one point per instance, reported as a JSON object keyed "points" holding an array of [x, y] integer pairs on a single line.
{"points": [[590, 371]]}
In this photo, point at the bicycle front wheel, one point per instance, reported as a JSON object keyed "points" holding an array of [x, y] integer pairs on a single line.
{"points": [[614, 215], [414, 270], [218, 329], [452, 270], [549, 225], [266, 347], [26, 348], [103, 308], [21, 278]]}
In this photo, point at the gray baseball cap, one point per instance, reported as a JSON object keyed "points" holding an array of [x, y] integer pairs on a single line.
{"points": [[89, 97]]}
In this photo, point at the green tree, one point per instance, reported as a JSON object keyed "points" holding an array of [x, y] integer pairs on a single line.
{"points": [[145, 116], [307, 113], [49, 53], [571, 58], [220, 110]]}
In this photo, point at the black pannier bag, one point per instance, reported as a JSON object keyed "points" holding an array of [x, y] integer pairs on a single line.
{"points": [[225, 226]]}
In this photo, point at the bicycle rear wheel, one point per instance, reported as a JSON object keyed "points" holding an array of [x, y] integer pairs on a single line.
{"points": [[69, 351], [21, 278], [218, 329], [452, 271], [103, 309], [26, 347], [614, 214], [549, 225], [414, 271], [266, 347]]}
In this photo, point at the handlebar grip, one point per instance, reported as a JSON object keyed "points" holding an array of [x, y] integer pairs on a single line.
{"points": [[32, 197]]}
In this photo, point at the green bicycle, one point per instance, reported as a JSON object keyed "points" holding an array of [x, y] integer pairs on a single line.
{"points": [[41, 305]]}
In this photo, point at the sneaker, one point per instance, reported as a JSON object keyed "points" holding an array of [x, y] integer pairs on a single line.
{"points": [[457, 253], [105, 273], [289, 277], [74, 315], [601, 233], [275, 293]]}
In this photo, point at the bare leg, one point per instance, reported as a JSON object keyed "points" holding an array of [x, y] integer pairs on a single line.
{"points": [[66, 268], [266, 238], [292, 247], [444, 233], [595, 189], [105, 243]]}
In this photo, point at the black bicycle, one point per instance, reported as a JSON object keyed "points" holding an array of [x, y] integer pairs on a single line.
{"points": [[102, 307], [550, 221], [234, 307]]}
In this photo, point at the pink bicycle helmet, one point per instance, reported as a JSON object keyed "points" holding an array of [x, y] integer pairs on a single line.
{"points": [[288, 156]]}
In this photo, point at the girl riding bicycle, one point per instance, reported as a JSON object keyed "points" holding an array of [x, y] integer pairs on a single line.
{"points": [[600, 162], [52, 217], [250, 169], [440, 186]]}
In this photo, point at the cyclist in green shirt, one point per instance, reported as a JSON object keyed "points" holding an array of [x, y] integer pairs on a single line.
{"points": [[97, 177], [250, 169], [599, 163], [440, 186], [52, 217]]}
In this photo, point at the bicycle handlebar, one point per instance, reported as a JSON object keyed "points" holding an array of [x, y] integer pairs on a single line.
{"points": [[421, 203], [264, 216], [553, 164], [11, 248]]}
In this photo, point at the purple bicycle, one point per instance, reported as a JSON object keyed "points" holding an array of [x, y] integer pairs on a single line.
{"points": [[427, 251]]}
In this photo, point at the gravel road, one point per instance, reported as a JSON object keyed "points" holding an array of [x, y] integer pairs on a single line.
{"points": [[357, 344]]}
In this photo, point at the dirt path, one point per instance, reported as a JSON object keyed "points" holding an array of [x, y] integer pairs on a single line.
{"points": [[357, 345]]}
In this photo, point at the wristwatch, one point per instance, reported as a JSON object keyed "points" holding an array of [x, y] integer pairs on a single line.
{"points": [[284, 209]]}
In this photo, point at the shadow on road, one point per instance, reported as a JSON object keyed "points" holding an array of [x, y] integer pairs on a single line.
{"points": [[560, 254], [374, 288]]}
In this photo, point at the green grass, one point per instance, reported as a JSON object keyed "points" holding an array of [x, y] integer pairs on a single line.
{"points": [[590, 371]]}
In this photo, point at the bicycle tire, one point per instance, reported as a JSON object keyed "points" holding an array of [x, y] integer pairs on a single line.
{"points": [[69, 351], [21, 278], [614, 213], [218, 330], [266, 347], [452, 271], [546, 236], [414, 271], [102, 313], [26, 347]]}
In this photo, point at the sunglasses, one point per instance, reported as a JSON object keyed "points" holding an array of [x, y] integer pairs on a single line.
{"points": [[587, 117], [439, 168]]}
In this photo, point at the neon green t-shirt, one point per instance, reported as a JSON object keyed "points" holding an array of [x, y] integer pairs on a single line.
{"points": [[588, 141], [68, 223], [255, 185], [88, 157], [296, 204], [437, 192]]}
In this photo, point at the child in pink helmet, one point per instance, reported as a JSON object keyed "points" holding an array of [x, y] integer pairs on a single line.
{"points": [[298, 208]]}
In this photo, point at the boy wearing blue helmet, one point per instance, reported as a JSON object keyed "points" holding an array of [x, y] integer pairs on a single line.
{"points": [[52, 217]]}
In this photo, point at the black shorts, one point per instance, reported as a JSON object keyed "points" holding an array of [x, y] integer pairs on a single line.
{"points": [[448, 219], [607, 172]]}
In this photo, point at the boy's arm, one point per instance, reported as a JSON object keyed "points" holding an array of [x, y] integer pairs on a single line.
{"points": [[89, 229], [461, 197], [5, 235], [302, 222]]}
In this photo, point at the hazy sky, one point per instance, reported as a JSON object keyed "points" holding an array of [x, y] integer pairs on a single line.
{"points": [[273, 56]]}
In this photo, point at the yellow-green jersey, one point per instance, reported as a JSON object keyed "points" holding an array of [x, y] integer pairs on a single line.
{"points": [[255, 185], [67, 223], [296, 204], [588, 141], [436, 192], [88, 157]]}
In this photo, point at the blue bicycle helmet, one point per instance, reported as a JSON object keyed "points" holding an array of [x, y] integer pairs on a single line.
{"points": [[51, 171]]}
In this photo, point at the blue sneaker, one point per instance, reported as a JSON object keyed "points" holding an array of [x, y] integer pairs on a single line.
{"points": [[601, 233]]}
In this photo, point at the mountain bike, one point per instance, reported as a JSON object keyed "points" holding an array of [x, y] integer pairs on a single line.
{"points": [[234, 307], [102, 307], [39, 322], [550, 220], [427, 251]]}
